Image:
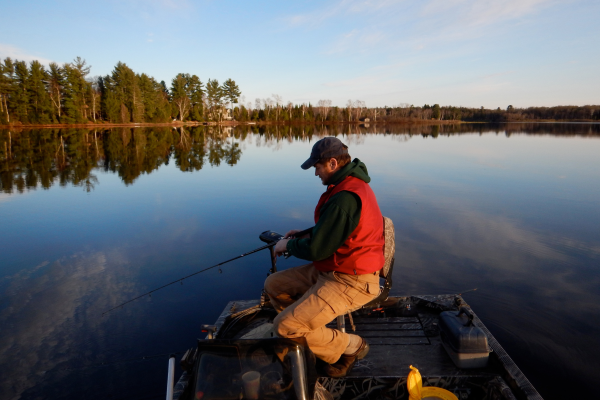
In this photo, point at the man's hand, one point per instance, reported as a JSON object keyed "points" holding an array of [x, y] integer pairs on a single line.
{"points": [[293, 233], [281, 246]]}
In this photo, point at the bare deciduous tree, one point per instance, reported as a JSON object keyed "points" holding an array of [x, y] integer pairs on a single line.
{"points": [[268, 105], [350, 107], [323, 107], [376, 112], [249, 108], [358, 107], [95, 94], [404, 110], [278, 103]]}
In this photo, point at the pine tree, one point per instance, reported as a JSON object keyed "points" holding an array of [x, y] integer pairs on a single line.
{"points": [[55, 89], [156, 100], [75, 91], [231, 92], [20, 97], [109, 103], [435, 111], [180, 94], [214, 97], [196, 91], [39, 100], [6, 88], [128, 93], [150, 96]]}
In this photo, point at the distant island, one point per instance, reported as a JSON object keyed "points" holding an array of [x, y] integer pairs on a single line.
{"points": [[33, 95]]}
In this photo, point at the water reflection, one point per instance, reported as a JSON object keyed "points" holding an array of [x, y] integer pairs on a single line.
{"points": [[50, 316], [537, 291], [44, 157], [513, 212]]}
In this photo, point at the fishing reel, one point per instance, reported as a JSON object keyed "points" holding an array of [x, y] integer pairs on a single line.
{"points": [[270, 237]]}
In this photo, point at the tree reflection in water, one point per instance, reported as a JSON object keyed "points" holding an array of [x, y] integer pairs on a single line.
{"points": [[34, 158]]}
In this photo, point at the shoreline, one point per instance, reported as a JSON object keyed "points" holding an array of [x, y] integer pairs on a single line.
{"points": [[272, 123], [228, 123]]}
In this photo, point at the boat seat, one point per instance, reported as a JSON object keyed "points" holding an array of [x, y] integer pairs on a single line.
{"points": [[386, 272]]}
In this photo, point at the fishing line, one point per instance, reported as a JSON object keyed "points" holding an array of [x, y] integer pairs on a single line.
{"points": [[467, 291], [188, 276], [127, 360]]}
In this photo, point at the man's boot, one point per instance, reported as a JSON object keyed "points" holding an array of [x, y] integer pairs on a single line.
{"points": [[342, 366]]}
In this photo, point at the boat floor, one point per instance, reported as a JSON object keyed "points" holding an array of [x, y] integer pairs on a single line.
{"points": [[396, 343], [399, 341]]}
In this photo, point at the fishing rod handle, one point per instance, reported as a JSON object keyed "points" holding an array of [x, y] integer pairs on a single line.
{"points": [[272, 238]]}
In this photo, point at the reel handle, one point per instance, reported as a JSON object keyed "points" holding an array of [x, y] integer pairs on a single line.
{"points": [[271, 237]]}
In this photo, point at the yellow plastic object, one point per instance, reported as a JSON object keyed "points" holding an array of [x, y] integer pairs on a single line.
{"points": [[414, 384], [416, 391]]}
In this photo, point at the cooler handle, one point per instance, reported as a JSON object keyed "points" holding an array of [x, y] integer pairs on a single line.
{"points": [[468, 313]]}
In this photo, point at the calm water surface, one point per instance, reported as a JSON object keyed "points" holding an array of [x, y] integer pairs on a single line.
{"points": [[89, 219]]}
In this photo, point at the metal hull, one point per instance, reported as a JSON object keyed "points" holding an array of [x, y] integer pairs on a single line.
{"points": [[402, 331]]}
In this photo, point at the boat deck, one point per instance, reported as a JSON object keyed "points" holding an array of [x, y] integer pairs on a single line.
{"points": [[404, 332]]}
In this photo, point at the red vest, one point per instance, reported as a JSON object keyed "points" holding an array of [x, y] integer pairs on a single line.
{"points": [[362, 252]]}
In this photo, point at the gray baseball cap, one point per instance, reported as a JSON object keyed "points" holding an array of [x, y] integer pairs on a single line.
{"points": [[325, 148]]}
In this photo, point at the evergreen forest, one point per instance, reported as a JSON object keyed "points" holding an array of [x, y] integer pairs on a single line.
{"points": [[33, 94]]}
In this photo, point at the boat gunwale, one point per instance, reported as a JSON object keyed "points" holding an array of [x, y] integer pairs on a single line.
{"points": [[520, 386]]}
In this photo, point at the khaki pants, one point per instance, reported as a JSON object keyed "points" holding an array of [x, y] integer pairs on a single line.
{"points": [[308, 299]]}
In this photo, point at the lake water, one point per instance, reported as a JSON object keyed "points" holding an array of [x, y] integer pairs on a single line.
{"points": [[90, 219]]}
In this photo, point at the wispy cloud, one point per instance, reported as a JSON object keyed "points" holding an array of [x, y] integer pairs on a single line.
{"points": [[163, 4], [357, 40], [173, 4], [7, 50], [483, 12], [339, 9], [153, 11], [497, 74], [354, 82], [460, 20], [397, 23]]}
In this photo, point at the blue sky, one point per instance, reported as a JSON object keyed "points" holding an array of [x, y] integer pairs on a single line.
{"points": [[472, 53]]}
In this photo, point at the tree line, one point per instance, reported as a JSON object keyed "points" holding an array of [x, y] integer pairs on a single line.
{"points": [[31, 93], [407, 112]]}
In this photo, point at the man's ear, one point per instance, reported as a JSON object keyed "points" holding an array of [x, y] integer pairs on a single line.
{"points": [[333, 163]]}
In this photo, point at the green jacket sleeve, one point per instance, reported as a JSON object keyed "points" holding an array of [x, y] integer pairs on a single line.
{"points": [[339, 217]]}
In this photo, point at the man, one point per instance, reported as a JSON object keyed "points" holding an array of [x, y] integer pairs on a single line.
{"points": [[346, 250]]}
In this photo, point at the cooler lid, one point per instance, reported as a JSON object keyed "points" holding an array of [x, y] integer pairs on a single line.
{"points": [[457, 331]]}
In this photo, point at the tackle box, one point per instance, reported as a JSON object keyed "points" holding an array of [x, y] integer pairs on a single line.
{"points": [[466, 344]]}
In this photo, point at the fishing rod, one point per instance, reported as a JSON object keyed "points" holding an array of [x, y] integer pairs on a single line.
{"points": [[123, 361], [190, 275], [269, 237]]}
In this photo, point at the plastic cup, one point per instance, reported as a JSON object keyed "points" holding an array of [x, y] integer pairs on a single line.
{"points": [[251, 381]]}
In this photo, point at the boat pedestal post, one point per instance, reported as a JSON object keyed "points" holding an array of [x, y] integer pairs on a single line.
{"points": [[171, 377], [341, 323]]}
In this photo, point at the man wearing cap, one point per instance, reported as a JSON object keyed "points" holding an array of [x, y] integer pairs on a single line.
{"points": [[346, 250]]}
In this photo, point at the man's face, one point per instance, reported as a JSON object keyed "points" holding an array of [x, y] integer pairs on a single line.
{"points": [[325, 171]]}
